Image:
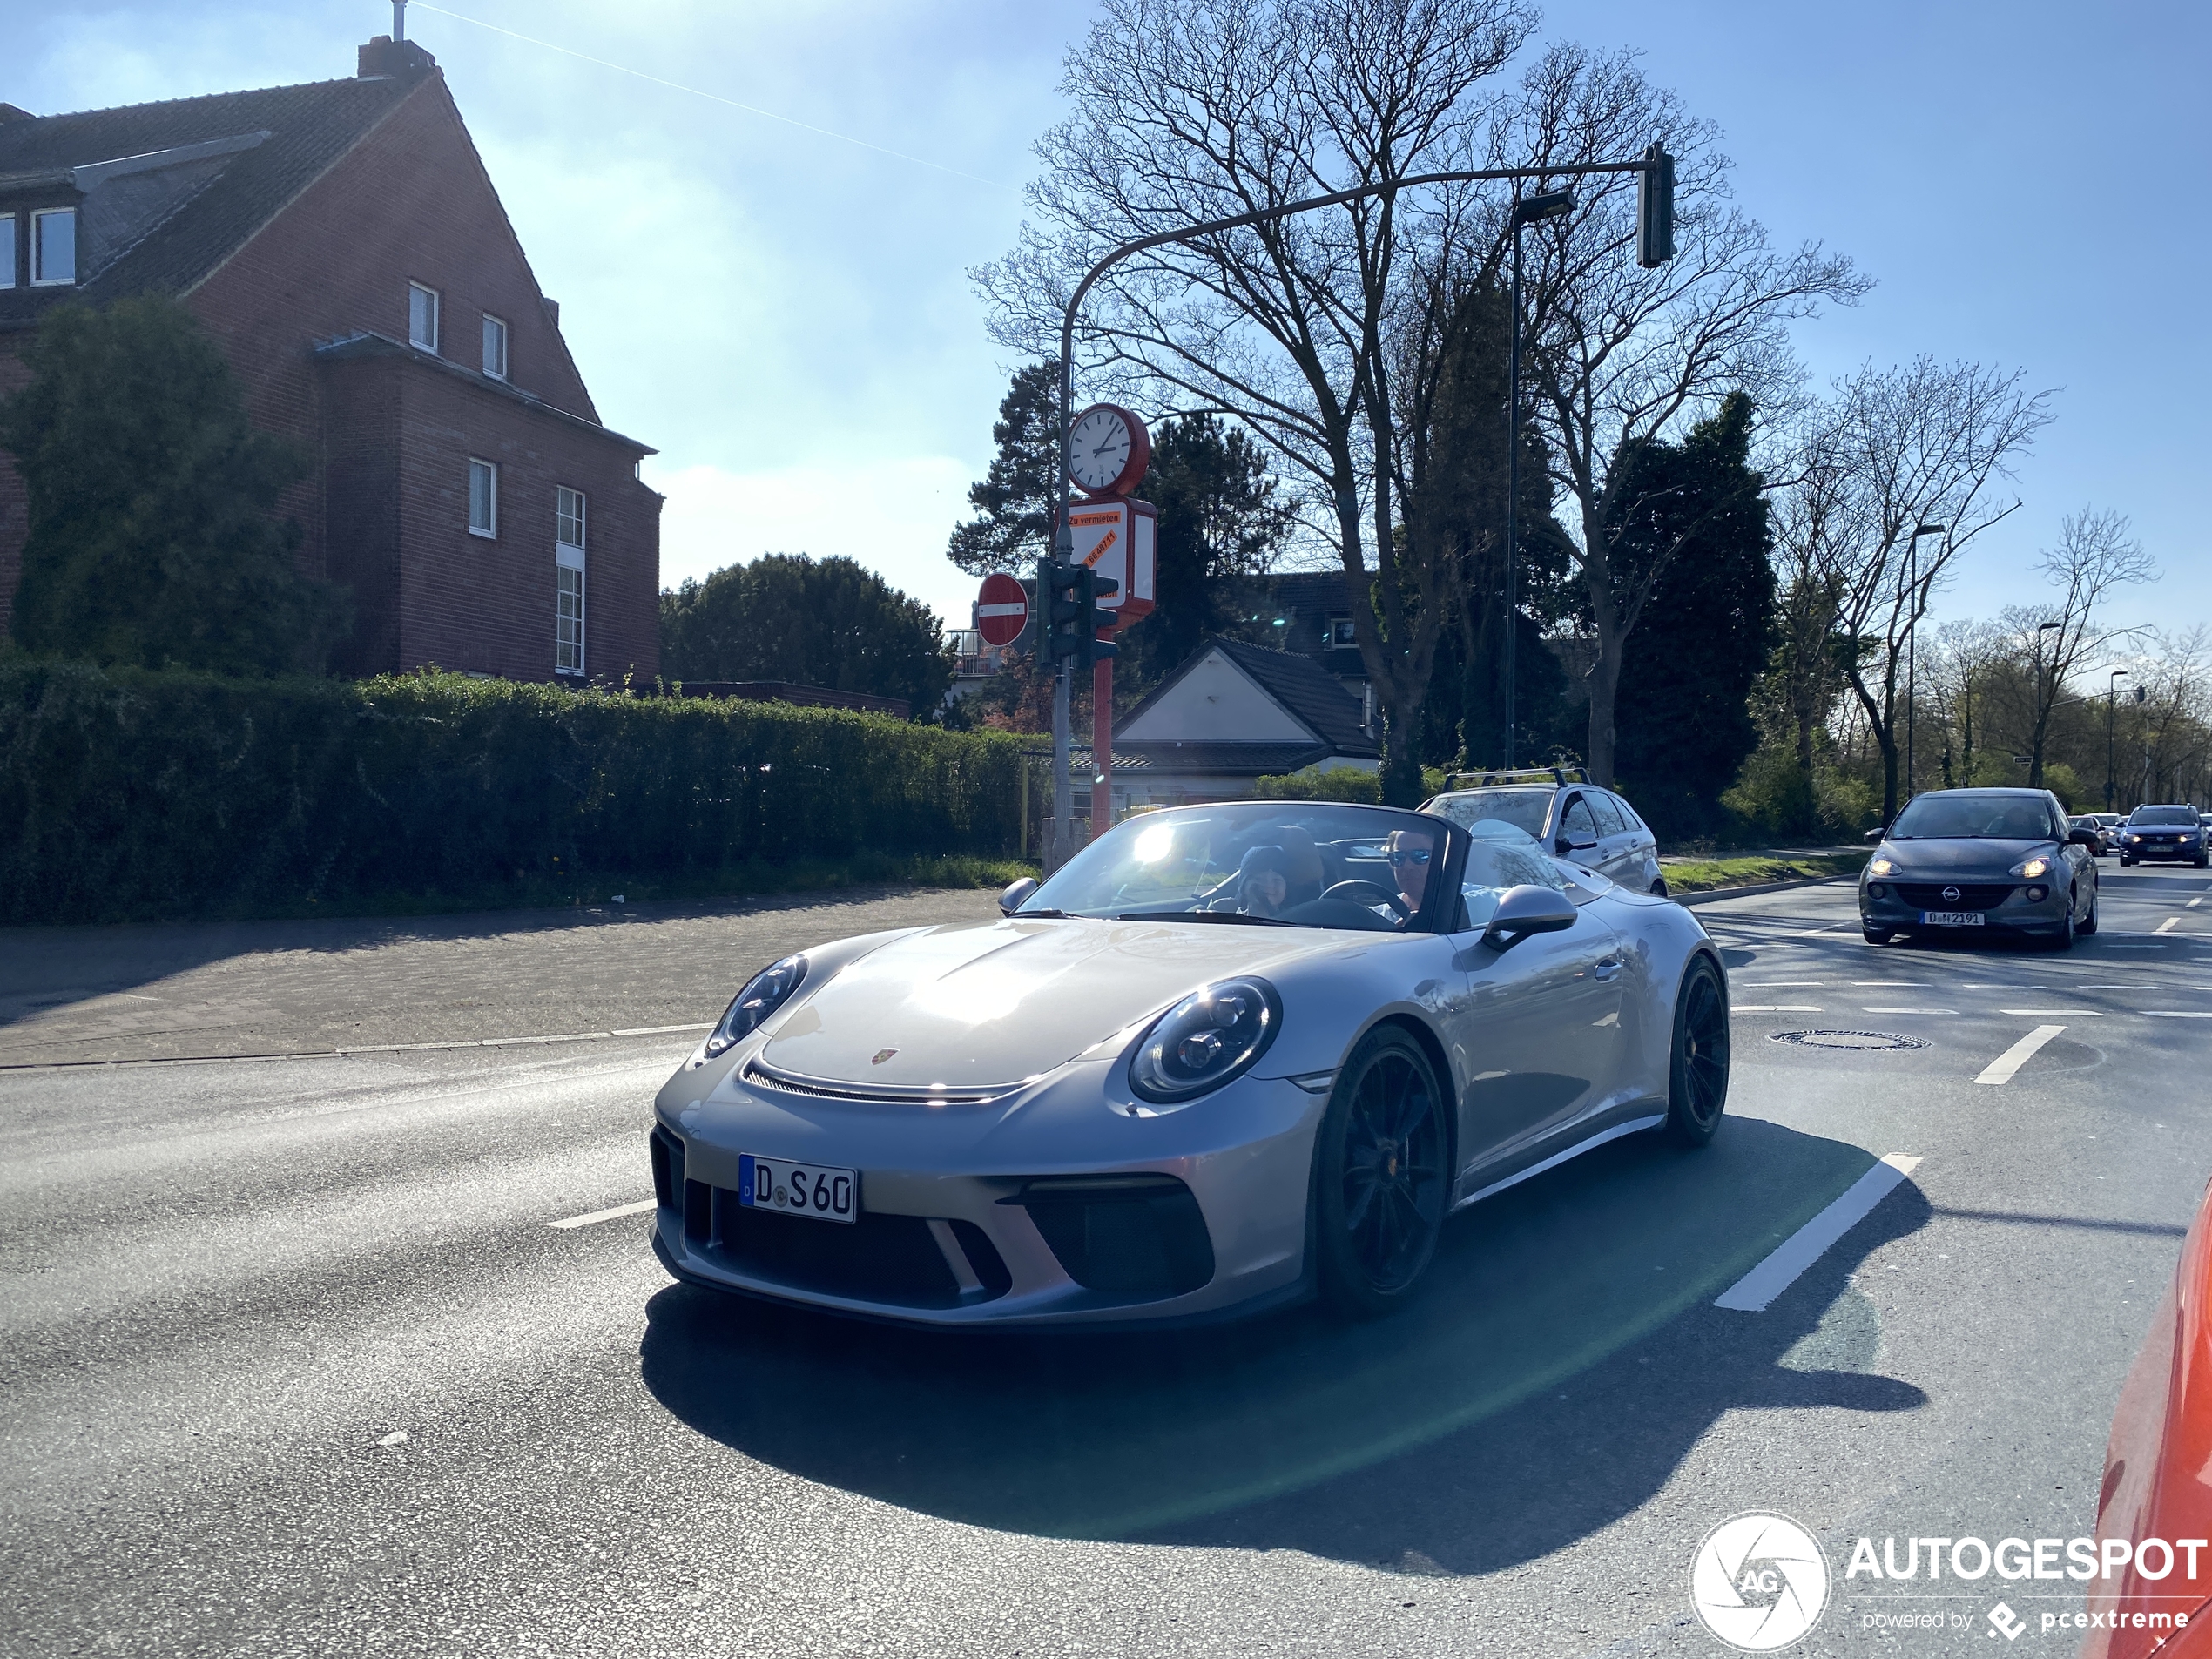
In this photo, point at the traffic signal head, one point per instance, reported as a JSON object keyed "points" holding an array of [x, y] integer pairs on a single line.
{"points": [[1068, 596], [1655, 209]]}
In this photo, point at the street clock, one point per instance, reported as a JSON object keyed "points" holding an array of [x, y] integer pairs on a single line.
{"points": [[1107, 451]]}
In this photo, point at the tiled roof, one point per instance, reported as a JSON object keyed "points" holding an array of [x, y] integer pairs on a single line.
{"points": [[163, 229], [1248, 759]]}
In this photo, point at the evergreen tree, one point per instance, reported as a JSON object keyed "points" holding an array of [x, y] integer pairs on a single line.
{"points": [[1684, 720], [829, 623], [154, 539], [1220, 521], [1012, 502]]}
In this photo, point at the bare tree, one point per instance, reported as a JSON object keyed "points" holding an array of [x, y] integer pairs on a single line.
{"points": [[2095, 554], [1620, 355], [1924, 445], [1186, 111], [1959, 674]]}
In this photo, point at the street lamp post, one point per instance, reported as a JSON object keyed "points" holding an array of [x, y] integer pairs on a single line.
{"points": [[1911, 644], [2112, 695], [1527, 210], [1655, 169]]}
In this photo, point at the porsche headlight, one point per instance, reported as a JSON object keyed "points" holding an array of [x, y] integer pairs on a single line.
{"points": [[1213, 1034], [764, 994], [2033, 867]]}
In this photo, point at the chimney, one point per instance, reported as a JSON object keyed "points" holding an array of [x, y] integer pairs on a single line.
{"points": [[384, 59]]}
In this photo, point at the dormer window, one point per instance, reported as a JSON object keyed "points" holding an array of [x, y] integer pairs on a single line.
{"points": [[53, 248], [422, 317], [494, 347]]}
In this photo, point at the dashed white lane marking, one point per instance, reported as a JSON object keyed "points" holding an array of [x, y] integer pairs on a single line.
{"points": [[1782, 984], [615, 1214], [2167, 926], [2055, 1014], [2192, 904], [354, 1052], [1863, 1009], [2000, 1069], [1890, 984], [1756, 1290], [1775, 1008], [2173, 1013]]}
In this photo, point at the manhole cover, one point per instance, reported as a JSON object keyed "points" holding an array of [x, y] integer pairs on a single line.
{"points": [[1849, 1040]]}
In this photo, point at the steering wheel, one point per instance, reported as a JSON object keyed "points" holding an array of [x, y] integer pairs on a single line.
{"points": [[1353, 889]]}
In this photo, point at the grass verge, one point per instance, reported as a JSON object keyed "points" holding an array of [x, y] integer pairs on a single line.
{"points": [[1703, 875]]}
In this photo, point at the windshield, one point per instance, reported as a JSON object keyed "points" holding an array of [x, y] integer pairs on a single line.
{"points": [[2164, 815], [1524, 809], [2004, 818], [1300, 863]]}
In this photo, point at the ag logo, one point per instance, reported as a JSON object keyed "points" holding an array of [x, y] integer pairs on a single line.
{"points": [[1759, 1581]]}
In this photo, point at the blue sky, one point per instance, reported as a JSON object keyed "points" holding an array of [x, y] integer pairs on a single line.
{"points": [[787, 316]]}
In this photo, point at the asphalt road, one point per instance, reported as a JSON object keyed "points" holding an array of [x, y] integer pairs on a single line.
{"points": [[292, 1361]]}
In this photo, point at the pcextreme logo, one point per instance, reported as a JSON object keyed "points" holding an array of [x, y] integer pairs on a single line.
{"points": [[1759, 1581]]}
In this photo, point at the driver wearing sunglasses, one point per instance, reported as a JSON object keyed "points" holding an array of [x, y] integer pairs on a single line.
{"points": [[1410, 853]]}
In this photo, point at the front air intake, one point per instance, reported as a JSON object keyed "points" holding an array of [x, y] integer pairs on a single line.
{"points": [[1140, 1235]]}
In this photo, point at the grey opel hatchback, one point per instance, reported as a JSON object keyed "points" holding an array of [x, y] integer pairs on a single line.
{"points": [[1981, 862]]}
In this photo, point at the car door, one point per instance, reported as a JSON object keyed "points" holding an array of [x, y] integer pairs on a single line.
{"points": [[1617, 842], [2081, 861], [1538, 1029], [1640, 863]]}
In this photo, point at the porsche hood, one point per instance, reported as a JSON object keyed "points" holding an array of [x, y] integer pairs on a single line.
{"points": [[984, 1004]]}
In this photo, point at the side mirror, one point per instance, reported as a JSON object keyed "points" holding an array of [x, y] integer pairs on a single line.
{"points": [[2086, 838], [1017, 896], [1525, 910], [1566, 847], [1873, 835]]}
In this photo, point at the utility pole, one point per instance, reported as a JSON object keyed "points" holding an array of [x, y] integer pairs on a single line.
{"points": [[2112, 698], [2042, 704], [1911, 644]]}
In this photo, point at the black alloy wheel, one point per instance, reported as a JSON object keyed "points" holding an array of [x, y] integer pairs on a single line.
{"points": [[1384, 1180], [1697, 1091]]}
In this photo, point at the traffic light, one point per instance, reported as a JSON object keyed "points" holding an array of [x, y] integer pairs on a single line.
{"points": [[1655, 209], [1068, 596]]}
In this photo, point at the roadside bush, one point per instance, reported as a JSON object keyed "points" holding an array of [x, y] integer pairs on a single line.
{"points": [[134, 792], [1340, 783]]}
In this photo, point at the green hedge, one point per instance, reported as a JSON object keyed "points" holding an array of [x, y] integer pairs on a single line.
{"points": [[133, 793]]}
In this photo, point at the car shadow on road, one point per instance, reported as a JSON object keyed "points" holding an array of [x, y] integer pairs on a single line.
{"points": [[1562, 1361]]}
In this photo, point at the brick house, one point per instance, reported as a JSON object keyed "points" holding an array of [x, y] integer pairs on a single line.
{"points": [[344, 244]]}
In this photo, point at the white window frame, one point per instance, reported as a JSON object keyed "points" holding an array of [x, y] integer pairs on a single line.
{"points": [[500, 324], [437, 306], [568, 562], [490, 532], [581, 517], [38, 218], [8, 255]]}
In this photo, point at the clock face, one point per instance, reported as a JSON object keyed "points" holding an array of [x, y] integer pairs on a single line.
{"points": [[1107, 451]]}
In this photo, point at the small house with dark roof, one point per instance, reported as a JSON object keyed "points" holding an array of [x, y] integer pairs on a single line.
{"points": [[343, 243], [1232, 713]]}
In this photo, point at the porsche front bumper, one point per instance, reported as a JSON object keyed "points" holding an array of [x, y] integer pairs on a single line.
{"points": [[1049, 1207]]}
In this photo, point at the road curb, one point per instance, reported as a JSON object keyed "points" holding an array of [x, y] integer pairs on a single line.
{"points": [[1709, 895]]}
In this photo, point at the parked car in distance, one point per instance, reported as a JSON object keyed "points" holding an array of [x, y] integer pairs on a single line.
{"points": [[2088, 822], [2169, 834], [1986, 861], [1564, 810], [2108, 827]]}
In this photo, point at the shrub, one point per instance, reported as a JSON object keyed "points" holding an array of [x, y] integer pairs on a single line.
{"points": [[129, 793], [1340, 783]]}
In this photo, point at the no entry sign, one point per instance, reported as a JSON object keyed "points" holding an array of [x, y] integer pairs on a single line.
{"points": [[1002, 610]]}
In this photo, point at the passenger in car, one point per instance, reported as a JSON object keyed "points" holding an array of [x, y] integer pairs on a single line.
{"points": [[1263, 882], [1410, 853]]}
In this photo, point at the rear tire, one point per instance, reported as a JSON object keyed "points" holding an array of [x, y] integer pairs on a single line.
{"points": [[1384, 1178], [1697, 1078]]}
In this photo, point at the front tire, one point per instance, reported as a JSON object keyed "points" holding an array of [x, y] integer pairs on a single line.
{"points": [[1384, 1177], [1659, 888], [2088, 923], [2063, 939], [1697, 1079], [1876, 935]]}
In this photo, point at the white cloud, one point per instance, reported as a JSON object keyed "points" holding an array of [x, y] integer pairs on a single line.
{"points": [[893, 517]]}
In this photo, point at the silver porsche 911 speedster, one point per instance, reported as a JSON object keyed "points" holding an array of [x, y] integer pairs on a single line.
{"points": [[1229, 1056]]}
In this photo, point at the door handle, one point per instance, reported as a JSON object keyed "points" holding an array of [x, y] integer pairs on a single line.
{"points": [[1609, 968]]}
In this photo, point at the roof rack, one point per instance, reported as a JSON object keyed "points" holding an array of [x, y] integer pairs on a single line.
{"points": [[1560, 775]]}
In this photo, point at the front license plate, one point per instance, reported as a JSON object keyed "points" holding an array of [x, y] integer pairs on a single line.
{"points": [[1952, 918], [811, 1189]]}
